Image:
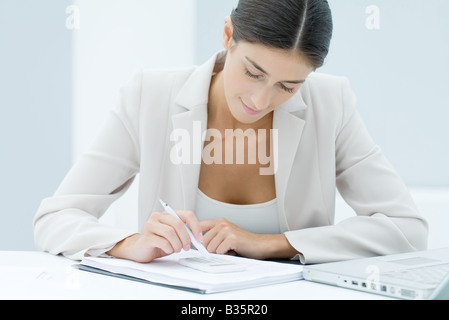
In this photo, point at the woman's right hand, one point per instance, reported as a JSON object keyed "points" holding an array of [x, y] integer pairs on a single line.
{"points": [[162, 235]]}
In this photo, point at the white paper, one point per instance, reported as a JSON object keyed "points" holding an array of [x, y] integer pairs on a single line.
{"points": [[168, 271]]}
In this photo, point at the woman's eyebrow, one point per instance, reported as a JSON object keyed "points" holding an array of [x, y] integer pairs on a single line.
{"points": [[255, 65]]}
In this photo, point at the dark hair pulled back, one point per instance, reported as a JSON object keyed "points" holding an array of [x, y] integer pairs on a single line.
{"points": [[302, 25]]}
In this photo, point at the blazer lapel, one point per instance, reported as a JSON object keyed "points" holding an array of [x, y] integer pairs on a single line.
{"points": [[192, 123], [191, 118], [289, 128]]}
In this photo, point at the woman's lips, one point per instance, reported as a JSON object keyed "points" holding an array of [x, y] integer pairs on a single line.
{"points": [[249, 110]]}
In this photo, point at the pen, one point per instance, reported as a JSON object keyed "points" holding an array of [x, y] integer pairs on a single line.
{"points": [[195, 242]]}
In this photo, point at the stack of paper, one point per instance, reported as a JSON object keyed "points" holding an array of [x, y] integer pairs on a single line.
{"points": [[168, 271]]}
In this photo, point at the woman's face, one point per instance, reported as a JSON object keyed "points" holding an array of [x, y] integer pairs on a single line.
{"points": [[258, 79]]}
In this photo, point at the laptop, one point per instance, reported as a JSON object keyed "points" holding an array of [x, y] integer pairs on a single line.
{"points": [[415, 275]]}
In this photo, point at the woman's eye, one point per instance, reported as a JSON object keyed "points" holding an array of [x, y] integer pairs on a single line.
{"points": [[289, 90], [258, 77], [253, 76]]}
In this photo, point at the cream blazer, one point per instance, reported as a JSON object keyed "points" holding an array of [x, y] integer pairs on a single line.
{"points": [[322, 145]]}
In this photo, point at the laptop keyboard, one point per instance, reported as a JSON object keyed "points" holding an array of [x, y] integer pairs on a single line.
{"points": [[431, 275]]}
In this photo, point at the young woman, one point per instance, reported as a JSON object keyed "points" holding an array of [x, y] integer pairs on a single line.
{"points": [[272, 195]]}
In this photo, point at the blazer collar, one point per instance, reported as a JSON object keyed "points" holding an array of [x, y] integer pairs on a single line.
{"points": [[195, 91]]}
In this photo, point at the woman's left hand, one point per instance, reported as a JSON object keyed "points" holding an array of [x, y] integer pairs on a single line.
{"points": [[223, 237]]}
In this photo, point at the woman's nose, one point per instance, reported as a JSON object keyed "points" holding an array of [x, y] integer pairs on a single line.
{"points": [[262, 99]]}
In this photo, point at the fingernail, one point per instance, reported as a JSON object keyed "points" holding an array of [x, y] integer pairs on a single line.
{"points": [[200, 237], [187, 247]]}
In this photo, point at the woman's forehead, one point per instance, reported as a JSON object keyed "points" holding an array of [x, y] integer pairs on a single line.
{"points": [[289, 66]]}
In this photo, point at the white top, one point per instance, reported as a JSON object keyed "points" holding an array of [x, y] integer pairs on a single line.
{"points": [[260, 218]]}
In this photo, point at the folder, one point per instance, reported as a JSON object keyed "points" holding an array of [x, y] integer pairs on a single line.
{"points": [[167, 271]]}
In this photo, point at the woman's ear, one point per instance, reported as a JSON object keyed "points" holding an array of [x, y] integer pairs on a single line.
{"points": [[228, 31]]}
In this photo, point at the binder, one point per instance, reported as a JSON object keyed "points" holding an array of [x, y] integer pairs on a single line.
{"points": [[168, 272]]}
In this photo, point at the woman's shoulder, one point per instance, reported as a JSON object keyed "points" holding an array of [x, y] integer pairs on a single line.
{"points": [[148, 90], [327, 81], [329, 96], [162, 78], [330, 89]]}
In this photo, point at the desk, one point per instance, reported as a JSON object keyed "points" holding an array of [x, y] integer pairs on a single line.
{"points": [[61, 282]]}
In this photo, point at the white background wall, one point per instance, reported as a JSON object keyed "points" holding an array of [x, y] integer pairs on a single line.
{"points": [[400, 73], [35, 112]]}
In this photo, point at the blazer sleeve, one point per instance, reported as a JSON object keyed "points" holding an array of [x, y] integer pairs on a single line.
{"points": [[67, 223], [387, 220]]}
